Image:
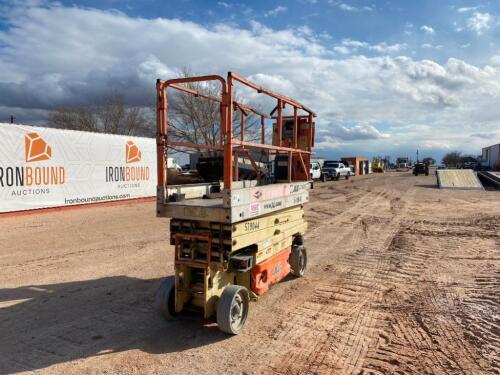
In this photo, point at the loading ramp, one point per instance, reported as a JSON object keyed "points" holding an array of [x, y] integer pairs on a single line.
{"points": [[464, 179]]}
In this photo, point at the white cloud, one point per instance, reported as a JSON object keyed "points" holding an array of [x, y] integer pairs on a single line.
{"points": [[349, 46], [466, 9], [427, 29], [431, 46], [388, 48], [354, 132], [347, 7], [224, 4], [495, 60], [479, 22], [89, 52], [342, 50], [350, 8], [274, 12]]}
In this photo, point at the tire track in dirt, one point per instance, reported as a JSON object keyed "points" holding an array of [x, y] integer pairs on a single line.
{"points": [[416, 325], [423, 319], [335, 328], [384, 312]]}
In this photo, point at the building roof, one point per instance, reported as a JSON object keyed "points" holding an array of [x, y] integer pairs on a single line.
{"points": [[493, 145], [354, 157]]}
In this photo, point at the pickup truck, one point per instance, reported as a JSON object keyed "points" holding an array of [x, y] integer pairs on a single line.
{"points": [[315, 169], [334, 170]]}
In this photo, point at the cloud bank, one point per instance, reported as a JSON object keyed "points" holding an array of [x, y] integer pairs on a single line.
{"points": [[373, 103]]}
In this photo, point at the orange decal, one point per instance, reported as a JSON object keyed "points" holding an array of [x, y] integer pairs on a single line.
{"points": [[35, 148], [270, 271], [132, 152]]}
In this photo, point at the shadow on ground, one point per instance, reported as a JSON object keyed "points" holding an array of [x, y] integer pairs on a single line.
{"points": [[429, 186], [44, 325]]}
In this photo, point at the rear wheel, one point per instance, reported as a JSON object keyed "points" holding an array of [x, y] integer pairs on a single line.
{"points": [[347, 176], [165, 298], [232, 310], [298, 260], [323, 177]]}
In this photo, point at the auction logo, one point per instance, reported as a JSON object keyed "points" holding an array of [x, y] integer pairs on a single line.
{"points": [[132, 153], [35, 150], [128, 173]]}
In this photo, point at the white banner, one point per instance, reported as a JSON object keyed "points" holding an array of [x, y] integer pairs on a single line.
{"points": [[44, 167]]}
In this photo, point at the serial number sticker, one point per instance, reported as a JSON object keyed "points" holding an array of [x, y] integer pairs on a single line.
{"points": [[251, 226]]}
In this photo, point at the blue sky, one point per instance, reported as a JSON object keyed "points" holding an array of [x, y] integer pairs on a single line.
{"points": [[386, 77], [374, 22]]}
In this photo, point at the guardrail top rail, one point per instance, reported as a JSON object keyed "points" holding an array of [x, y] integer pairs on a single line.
{"points": [[228, 144]]}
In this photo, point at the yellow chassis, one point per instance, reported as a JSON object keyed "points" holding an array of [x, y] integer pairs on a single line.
{"points": [[203, 249]]}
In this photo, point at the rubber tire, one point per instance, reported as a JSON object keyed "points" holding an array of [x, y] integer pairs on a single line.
{"points": [[225, 305], [346, 176], [337, 177], [323, 177], [295, 258], [165, 298]]}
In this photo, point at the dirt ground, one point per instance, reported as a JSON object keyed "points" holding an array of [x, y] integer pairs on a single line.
{"points": [[403, 278]]}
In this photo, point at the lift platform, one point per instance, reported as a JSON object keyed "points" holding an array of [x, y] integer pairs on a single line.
{"points": [[235, 237]]}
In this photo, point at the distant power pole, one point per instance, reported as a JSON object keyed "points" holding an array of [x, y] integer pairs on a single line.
{"points": [[417, 155], [12, 118]]}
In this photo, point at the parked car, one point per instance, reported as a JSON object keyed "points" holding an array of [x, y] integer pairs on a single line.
{"points": [[421, 168], [470, 165], [315, 170], [334, 170]]}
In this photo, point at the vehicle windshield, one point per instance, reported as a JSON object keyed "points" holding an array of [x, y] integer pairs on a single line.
{"points": [[331, 164]]}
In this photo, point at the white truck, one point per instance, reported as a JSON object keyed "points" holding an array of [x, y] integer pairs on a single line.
{"points": [[315, 169], [403, 163], [333, 170]]}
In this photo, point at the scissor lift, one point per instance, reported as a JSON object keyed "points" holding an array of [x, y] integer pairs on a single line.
{"points": [[234, 238]]}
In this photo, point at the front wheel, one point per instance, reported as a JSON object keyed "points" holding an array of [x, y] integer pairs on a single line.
{"points": [[165, 298], [232, 310], [323, 177], [298, 260], [337, 177], [347, 176]]}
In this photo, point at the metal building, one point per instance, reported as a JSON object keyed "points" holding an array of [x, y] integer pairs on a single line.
{"points": [[491, 156]]}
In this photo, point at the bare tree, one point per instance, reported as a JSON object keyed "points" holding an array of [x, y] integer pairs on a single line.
{"points": [[117, 118], [112, 116], [74, 118], [197, 120]]}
